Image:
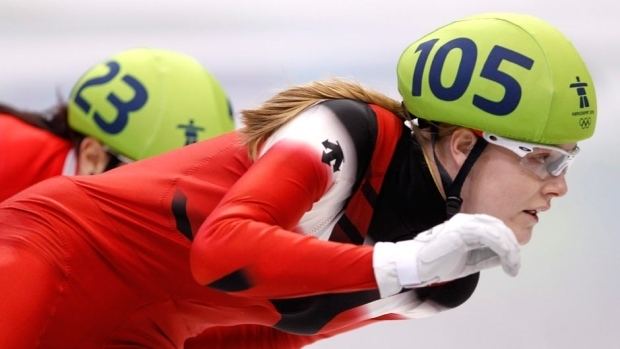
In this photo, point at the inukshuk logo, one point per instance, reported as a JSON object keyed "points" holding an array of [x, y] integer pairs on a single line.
{"points": [[585, 120], [191, 132], [581, 92]]}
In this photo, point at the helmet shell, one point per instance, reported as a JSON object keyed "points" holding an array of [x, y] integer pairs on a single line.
{"points": [[143, 102], [510, 74]]}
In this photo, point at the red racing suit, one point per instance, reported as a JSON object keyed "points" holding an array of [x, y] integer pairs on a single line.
{"points": [[202, 240], [29, 155]]}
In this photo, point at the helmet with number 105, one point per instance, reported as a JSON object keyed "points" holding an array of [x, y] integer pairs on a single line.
{"points": [[508, 74], [143, 102]]}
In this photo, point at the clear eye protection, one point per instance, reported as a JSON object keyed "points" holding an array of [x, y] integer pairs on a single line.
{"points": [[542, 160]]}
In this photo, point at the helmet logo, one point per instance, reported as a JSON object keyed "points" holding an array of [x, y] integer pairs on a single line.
{"points": [[123, 108], [585, 118], [585, 122], [191, 132], [581, 92], [335, 154], [464, 74]]}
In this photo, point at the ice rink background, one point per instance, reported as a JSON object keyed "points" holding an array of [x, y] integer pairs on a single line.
{"points": [[568, 292]]}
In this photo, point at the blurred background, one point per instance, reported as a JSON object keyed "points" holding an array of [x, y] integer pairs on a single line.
{"points": [[568, 292]]}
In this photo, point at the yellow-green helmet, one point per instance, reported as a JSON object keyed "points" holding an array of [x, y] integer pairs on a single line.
{"points": [[143, 102], [509, 74]]}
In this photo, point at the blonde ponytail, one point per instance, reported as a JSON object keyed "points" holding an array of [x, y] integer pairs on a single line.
{"points": [[260, 123]]}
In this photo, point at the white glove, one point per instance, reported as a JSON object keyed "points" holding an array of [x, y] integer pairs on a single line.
{"points": [[463, 245]]}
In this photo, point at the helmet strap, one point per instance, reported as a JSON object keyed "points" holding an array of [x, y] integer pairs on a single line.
{"points": [[446, 181], [453, 187]]}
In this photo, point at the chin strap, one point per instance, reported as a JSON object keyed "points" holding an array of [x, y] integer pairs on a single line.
{"points": [[453, 191], [453, 187]]}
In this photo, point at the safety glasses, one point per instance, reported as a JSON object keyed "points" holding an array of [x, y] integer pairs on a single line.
{"points": [[542, 160]]}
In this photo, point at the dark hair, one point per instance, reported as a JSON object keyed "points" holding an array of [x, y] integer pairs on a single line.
{"points": [[53, 120]]}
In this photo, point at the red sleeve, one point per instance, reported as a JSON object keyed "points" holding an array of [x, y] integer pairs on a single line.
{"points": [[27, 155], [262, 337], [247, 244], [248, 337]]}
